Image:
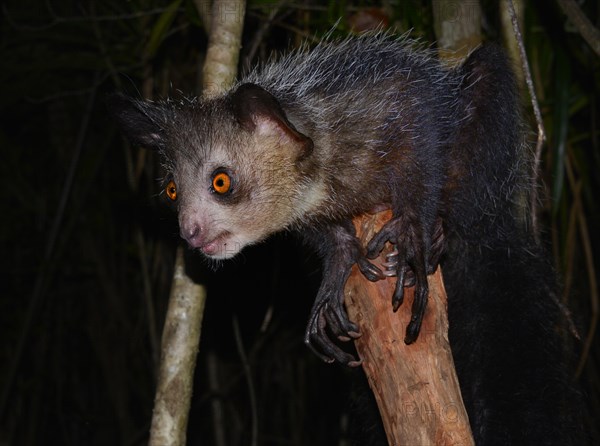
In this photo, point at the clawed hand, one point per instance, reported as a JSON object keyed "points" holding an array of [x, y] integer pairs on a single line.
{"points": [[410, 262]]}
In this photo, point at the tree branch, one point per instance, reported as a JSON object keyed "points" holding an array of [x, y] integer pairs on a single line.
{"points": [[415, 386], [588, 31], [181, 334]]}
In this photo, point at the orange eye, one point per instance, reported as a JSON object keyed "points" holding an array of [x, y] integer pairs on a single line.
{"points": [[171, 190], [221, 183]]}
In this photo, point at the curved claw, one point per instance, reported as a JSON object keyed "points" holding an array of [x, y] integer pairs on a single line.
{"points": [[391, 263], [394, 253], [370, 271], [418, 312], [320, 344], [376, 244], [339, 324], [409, 279], [401, 268], [326, 318], [315, 327]]}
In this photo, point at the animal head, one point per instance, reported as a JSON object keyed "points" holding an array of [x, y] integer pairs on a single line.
{"points": [[236, 167]]}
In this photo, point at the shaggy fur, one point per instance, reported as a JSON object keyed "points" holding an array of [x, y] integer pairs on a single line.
{"points": [[320, 136]]}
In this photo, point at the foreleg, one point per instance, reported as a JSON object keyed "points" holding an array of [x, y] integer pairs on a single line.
{"points": [[340, 250]]}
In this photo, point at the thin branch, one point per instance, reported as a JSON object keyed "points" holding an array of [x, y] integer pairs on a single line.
{"points": [[181, 334], [588, 31], [267, 23], [248, 373], [59, 20], [591, 270], [538, 117]]}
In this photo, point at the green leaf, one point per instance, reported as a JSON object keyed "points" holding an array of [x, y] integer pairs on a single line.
{"points": [[161, 28], [561, 125]]}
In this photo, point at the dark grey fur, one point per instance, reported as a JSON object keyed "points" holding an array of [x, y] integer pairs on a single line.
{"points": [[323, 135]]}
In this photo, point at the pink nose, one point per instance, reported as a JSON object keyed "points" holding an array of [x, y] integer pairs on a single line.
{"points": [[191, 233]]}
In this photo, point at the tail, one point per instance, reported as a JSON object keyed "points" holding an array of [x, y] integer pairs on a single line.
{"points": [[505, 321], [489, 170]]}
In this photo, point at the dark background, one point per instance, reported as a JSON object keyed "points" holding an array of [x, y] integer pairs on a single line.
{"points": [[88, 245]]}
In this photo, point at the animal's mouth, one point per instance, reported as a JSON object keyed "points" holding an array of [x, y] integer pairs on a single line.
{"points": [[217, 247]]}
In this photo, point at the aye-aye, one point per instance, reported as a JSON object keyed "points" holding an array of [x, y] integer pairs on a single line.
{"points": [[319, 136]]}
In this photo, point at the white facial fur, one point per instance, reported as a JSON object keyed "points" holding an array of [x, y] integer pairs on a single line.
{"points": [[268, 193]]}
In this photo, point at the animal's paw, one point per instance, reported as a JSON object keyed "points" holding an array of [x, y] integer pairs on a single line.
{"points": [[408, 263], [328, 323]]}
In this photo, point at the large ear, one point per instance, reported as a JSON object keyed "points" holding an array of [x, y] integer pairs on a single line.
{"points": [[257, 110], [139, 120]]}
